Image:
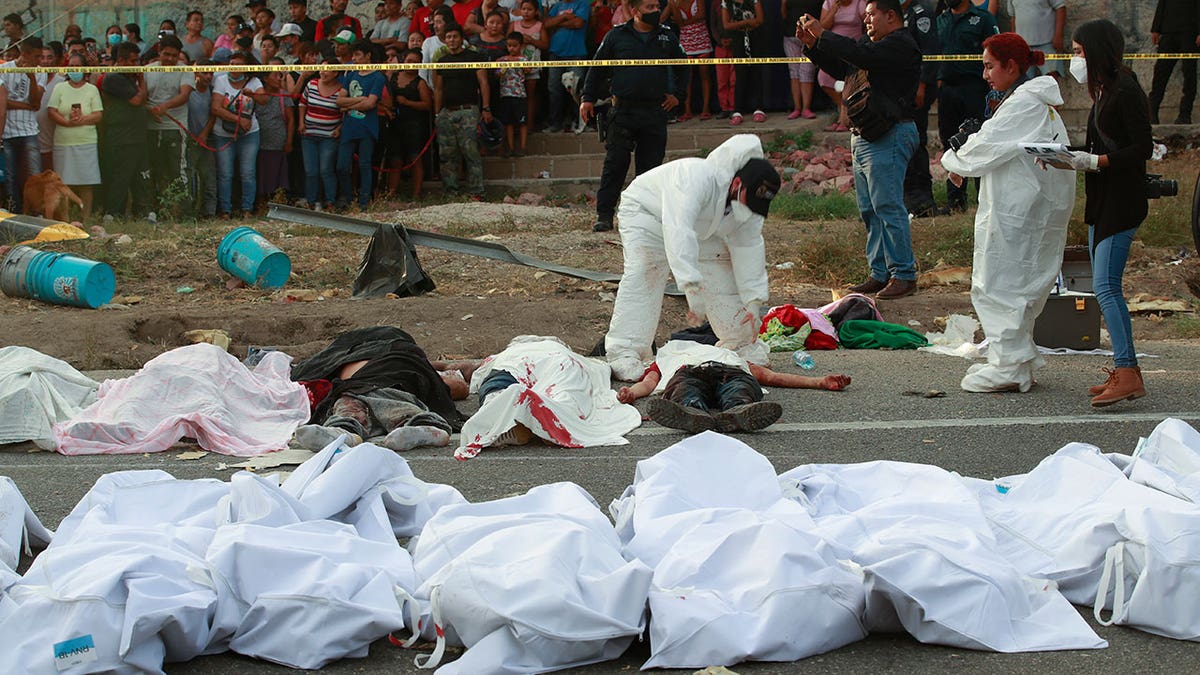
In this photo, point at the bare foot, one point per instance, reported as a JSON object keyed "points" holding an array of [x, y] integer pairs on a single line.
{"points": [[835, 382]]}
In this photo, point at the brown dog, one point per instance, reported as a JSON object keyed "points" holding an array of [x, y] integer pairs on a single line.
{"points": [[46, 195]]}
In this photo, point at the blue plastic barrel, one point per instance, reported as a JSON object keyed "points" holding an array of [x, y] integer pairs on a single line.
{"points": [[247, 255], [58, 278]]}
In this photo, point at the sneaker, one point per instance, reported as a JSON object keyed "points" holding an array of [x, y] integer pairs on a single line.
{"points": [[670, 414], [723, 115], [518, 435], [735, 119], [603, 225], [749, 416], [760, 116]]}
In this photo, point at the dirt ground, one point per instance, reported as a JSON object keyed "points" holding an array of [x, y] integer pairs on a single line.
{"points": [[168, 282]]}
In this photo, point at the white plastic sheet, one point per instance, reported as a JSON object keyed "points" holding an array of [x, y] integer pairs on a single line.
{"points": [[694, 512], [930, 562], [560, 396], [20, 529], [36, 392], [1169, 460], [199, 391], [1107, 541], [529, 584]]}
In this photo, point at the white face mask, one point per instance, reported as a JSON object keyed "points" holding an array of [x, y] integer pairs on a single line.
{"points": [[1079, 69], [740, 212]]}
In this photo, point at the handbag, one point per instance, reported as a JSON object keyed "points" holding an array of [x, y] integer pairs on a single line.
{"points": [[243, 107], [871, 116]]}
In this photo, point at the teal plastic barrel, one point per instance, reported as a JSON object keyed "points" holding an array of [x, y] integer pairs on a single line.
{"points": [[248, 255], [58, 278]]}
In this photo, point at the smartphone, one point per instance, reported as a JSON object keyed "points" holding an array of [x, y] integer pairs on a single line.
{"points": [[76, 108]]}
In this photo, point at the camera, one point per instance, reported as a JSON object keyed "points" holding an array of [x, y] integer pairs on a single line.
{"points": [[1157, 186], [965, 130]]}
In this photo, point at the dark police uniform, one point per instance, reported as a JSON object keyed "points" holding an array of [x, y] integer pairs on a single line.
{"points": [[636, 123], [918, 183], [962, 89], [1177, 23]]}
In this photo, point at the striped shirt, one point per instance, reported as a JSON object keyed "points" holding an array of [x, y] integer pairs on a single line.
{"points": [[20, 122], [322, 116]]}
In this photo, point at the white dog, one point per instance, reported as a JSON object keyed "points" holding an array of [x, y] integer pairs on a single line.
{"points": [[571, 83]]}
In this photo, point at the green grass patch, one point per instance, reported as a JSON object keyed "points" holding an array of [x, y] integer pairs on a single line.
{"points": [[789, 141], [1186, 326], [804, 206]]}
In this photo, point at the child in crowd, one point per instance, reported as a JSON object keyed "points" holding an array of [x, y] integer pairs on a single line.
{"points": [[536, 41], [723, 49], [320, 126], [275, 126], [512, 107], [202, 161], [359, 99]]}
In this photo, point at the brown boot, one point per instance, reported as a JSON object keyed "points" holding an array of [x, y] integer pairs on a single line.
{"points": [[1099, 388], [1126, 385]]}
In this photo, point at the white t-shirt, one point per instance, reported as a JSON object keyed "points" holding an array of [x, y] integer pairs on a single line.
{"points": [[1035, 19], [220, 85], [20, 123]]}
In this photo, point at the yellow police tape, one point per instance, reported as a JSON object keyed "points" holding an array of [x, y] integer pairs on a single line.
{"points": [[575, 63]]}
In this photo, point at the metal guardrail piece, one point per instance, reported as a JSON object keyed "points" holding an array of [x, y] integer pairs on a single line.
{"points": [[445, 242]]}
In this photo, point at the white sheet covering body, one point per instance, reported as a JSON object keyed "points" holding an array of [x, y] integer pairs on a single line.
{"points": [[673, 220], [560, 396], [148, 568], [1020, 230], [528, 584], [1169, 460], [36, 392], [930, 563], [20, 530], [693, 512], [1107, 541], [199, 391]]}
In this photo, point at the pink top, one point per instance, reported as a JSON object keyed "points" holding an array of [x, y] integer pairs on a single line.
{"points": [[849, 19], [223, 40]]}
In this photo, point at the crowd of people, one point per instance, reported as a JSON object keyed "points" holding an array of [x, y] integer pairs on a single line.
{"points": [[134, 145]]}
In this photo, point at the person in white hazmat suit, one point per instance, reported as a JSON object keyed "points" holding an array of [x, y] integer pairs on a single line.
{"points": [[700, 220], [1021, 224]]}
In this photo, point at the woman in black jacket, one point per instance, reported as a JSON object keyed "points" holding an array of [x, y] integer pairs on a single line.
{"points": [[1118, 145]]}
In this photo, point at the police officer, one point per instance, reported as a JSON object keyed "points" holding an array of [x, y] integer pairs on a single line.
{"points": [[918, 183], [962, 28], [642, 95]]}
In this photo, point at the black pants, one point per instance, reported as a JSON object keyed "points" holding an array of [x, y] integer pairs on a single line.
{"points": [[125, 174], [640, 131], [958, 101], [752, 81], [712, 386], [1177, 43], [918, 183]]}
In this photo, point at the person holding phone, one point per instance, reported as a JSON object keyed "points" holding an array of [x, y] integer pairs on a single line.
{"points": [[76, 109]]}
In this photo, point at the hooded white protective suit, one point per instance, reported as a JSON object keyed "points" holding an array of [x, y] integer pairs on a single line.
{"points": [[1020, 230], [674, 219]]}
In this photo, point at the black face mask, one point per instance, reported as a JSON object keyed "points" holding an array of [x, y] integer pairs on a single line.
{"points": [[651, 18]]}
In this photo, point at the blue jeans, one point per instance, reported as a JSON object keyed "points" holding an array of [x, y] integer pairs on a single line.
{"points": [[558, 93], [244, 151], [879, 168], [497, 380], [23, 157], [1108, 267], [365, 146], [320, 169]]}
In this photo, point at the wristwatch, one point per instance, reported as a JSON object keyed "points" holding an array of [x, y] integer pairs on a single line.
{"points": [[486, 108]]}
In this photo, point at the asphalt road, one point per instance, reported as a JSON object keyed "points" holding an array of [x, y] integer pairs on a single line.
{"points": [[982, 435]]}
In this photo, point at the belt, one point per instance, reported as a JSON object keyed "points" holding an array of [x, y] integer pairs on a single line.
{"points": [[638, 103], [465, 106]]}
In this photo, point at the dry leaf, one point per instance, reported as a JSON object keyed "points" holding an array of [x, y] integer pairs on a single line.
{"points": [[192, 454]]}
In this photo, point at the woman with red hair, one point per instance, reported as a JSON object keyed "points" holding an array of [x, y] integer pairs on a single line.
{"points": [[1021, 224]]}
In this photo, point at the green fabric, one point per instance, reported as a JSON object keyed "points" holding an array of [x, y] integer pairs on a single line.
{"points": [[866, 334], [781, 338]]}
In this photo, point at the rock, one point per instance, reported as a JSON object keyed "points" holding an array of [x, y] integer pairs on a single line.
{"points": [[509, 200], [213, 336], [810, 187], [799, 156], [789, 171], [124, 240], [530, 199], [98, 231], [828, 185], [844, 184], [787, 188]]}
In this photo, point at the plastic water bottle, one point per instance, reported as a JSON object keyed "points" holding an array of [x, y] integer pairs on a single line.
{"points": [[803, 359]]}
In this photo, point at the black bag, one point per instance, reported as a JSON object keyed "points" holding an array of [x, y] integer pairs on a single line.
{"points": [[871, 116], [390, 265]]}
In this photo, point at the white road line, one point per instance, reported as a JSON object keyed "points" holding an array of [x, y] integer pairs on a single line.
{"points": [[863, 425]]}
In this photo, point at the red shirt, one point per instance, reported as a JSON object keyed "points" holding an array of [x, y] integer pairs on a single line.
{"points": [[462, 10], [346, 21], [601, 22], [422, 21]]}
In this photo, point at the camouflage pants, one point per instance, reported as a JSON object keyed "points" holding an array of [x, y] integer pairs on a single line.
{"points": [[458, 143]]}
